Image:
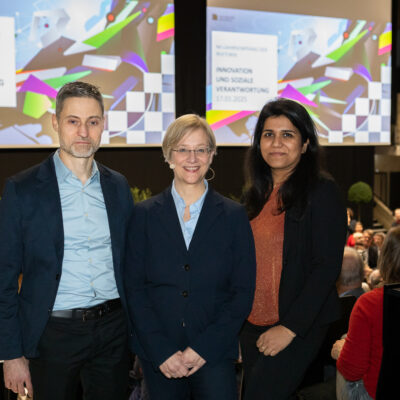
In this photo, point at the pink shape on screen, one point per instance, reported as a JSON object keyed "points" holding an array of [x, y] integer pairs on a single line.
{"points": [[165, 35], [291, 93], [35, 85], [385, 49], [231, 119]]}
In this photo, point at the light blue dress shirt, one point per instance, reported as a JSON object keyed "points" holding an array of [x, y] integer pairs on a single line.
{"points": [[87, 276], [189, 226]]}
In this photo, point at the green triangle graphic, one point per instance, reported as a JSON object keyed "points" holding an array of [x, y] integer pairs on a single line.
{"points": [[62, 80], [337, 54], [313, 87], [103, 37]]}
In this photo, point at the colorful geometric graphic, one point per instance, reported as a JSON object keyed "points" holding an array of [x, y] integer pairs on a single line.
{"points": [[125, 47], [385, 42], [339, 69], [166, 24]]}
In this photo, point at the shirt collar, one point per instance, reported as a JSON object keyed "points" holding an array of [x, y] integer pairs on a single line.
{"points": [[63, 172], [181, 203]]}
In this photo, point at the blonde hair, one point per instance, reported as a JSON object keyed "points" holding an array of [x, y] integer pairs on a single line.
{"points": [[182, 126]]}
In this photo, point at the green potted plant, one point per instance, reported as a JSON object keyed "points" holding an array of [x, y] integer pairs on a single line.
{"points": [[359, 193]]}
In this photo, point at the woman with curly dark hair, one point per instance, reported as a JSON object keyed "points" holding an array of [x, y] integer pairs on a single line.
{"points": [[299, 226]]}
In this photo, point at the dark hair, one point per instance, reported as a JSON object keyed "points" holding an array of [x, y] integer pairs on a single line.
{"points": [[259, 183], [389, 259], [78, 89]]}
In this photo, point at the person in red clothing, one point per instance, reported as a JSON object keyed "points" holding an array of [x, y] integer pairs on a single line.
{"points": [[359, 355], [358, 227]]}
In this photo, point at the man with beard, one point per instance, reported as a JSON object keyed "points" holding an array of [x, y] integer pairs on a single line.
{"points": [[63, 227]]}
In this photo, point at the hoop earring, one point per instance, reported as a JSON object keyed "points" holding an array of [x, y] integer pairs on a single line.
{"points": [[212, 176]]}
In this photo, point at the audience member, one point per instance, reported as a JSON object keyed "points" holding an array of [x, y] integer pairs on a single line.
{"points": [[375, 279], [396, 221], [352, 274], [358, 227], [359, 355], [371, 251], [378, 238], [359, 244], [351, 222]]}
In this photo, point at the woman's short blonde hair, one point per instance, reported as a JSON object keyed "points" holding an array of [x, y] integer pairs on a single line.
{"points": [[182, 126]]}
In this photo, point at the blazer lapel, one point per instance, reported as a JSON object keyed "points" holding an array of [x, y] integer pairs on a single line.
{"points": [[168, 217], [50, 205], [210, 211], [109, 189]]}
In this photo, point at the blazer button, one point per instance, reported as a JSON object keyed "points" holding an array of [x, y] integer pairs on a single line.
{"points": [[57, 277], [187, 267], [185, 293]]}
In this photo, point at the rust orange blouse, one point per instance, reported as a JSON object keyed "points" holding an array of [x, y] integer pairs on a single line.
{"points": [[268, 232]]}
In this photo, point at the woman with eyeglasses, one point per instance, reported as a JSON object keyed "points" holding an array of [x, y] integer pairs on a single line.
{"points": [[190, 275], [299, 227]]}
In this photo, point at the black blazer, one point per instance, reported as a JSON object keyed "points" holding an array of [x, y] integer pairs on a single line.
{"points": [[197, 297], [312, 258], [32, 243]]}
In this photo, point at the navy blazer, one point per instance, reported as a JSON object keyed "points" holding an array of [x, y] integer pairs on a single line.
{"points": [[32, 243], [197, 297]]}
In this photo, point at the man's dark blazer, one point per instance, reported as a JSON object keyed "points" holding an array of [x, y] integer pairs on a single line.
{"points": [[32, 243], [312, 259], [197, 297]]}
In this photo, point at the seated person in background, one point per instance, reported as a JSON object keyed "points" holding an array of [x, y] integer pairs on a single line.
{"points": [[352, 274], [359, 245], [375, 279], [360, 240], [359, 356], [358, 227], [371, 250], [396, 221], [378, 239]]}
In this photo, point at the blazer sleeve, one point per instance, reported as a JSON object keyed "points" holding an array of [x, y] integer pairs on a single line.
{"points": [[217, 339], [11, 261], [146, 323], [327, 233]]}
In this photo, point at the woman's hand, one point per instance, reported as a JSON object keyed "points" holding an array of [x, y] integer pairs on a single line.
{"points": [[274, 340], [337, 348], [192, 360], [174, 367]]}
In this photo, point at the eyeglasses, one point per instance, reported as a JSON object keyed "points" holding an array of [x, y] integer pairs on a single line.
{"points": [[200, 152]]}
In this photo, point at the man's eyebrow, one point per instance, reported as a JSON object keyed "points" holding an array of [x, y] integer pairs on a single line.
{"points": [[75, 116]]}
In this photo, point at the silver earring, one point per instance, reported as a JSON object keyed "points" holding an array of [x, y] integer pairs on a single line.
{"points": [[212, 176]]}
